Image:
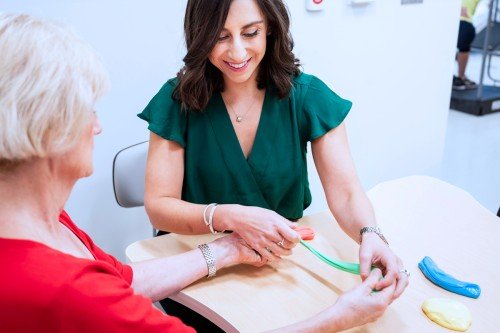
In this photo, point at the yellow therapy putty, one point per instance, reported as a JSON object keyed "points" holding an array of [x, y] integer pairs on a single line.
{"points": [[448, 313]]}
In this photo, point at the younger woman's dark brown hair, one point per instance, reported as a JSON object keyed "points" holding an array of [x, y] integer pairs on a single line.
{"points": [[203, 22]]}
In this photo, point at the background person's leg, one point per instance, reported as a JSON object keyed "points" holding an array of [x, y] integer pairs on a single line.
{"points": [[466, 34], [462, 59]]}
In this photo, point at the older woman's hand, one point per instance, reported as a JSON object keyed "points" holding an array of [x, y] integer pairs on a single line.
{"points": [[232, 250], [361, 305], [263, 230], [373, 251], [356, 307]]}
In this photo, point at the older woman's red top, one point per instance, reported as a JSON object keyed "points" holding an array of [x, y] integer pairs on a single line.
{"points": [[44, 290]]}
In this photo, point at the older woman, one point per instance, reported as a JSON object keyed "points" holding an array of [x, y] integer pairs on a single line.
{"points": [[54, 278]]}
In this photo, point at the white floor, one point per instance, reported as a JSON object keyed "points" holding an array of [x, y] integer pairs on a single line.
{"points": [[471, 158]]}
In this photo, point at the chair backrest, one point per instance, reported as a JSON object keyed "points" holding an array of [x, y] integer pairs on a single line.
{"points": [[129, 170]]}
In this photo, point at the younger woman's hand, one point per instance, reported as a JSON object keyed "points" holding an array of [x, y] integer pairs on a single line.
{"points": [[373, 251], [263, 230]]}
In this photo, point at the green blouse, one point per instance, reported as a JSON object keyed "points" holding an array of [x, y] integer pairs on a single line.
{"points": [[275, 174]]}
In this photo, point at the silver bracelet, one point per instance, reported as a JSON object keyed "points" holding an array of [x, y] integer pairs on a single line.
{"points": [[211, 221], [205, 219], [209, 258], [375, 230]]}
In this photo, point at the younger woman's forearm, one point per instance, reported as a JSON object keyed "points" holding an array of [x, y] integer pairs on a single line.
{"points": [[182, 217], [176, 215], [353, 212]]}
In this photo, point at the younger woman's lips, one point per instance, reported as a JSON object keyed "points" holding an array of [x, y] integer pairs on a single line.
{"points": [[240, 69]]}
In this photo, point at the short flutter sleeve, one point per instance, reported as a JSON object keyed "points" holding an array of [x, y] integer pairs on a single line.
{"points": [[322, 110], [164, 115]]}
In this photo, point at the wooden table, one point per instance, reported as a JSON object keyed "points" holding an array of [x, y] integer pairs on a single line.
{"points": [[420, 216]]}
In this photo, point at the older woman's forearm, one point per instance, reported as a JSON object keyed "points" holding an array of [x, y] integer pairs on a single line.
{"points": [[325, 322], [160, 278], [353, 308]]}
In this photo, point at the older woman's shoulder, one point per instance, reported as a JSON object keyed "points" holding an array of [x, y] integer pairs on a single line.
{"points": [[34, 273]]}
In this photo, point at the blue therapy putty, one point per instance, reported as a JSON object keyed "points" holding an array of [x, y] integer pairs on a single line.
{"points": [[446, 281]]}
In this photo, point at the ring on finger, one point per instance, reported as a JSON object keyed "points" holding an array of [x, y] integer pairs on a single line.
{"points": [[281, 242], [405, 271]]}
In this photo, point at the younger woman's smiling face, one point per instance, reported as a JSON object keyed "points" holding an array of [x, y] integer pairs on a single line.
{"points": [[242, 43]]}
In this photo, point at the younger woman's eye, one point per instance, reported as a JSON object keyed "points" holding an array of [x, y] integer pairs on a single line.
{"points": [[222, 38], [252, 34]]}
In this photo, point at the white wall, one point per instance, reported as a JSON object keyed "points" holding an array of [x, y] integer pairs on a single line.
{"points": [[394, 62]]}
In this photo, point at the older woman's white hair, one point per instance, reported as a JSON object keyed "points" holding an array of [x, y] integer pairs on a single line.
{"points": [[49, 82]]}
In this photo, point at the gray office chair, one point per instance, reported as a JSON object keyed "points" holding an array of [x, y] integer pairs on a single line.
{"points": [[129, 169]]}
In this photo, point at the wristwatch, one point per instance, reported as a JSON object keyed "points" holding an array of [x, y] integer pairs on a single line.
{"points": [[372, 229], [209, 258]]}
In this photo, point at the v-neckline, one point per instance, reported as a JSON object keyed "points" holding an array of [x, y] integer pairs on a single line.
{"points": [[262, 120], [246, 173]]}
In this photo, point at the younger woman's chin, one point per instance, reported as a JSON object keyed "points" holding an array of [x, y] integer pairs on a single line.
{"points": [[238, 78]]}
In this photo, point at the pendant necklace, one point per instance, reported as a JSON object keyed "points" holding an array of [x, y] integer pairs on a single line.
{"points": [[240, 117]]}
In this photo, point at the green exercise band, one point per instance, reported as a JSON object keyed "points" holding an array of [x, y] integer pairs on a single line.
{"points": [[343, 266]]}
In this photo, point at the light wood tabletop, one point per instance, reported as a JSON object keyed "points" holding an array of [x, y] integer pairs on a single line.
{"points": [[420, 216]]}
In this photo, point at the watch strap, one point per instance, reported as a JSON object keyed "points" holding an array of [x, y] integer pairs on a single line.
{"points": [[209, 258], [375, 230]]}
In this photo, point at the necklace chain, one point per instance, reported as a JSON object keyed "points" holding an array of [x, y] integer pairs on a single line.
{"points": [[240, 117]]}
